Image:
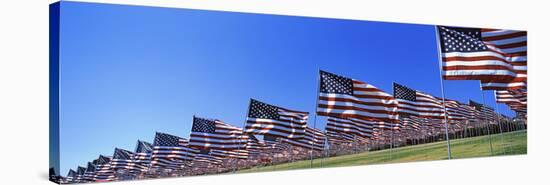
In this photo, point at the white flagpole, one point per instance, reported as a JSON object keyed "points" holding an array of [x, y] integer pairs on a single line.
{"points": [[486, 118], [241, 137], [499, 123], [443, 92], [315, 115]]}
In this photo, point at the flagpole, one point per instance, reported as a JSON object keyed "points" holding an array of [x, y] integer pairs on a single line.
{"points": [[315, 116], [486, 118], [392, 125], [443, 92], [499, 123], [241, 137]]}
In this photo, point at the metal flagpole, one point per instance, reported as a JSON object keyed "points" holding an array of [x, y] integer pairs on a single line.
{"points": [[315, 115], [499, 124], [242, 135], [486, 118], [443, 92]]}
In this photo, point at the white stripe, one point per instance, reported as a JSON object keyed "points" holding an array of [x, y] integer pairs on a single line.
{"points": [[478, 72], [366, 114], [368, 107], [508, 41], [484, 53], [367, 100], [497, 33]]}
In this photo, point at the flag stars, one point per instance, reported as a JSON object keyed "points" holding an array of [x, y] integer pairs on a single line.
{"points": [[461, 40]]}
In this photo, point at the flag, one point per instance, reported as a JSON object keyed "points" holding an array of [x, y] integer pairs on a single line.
{"points": [[417, 103], [238, 154], [264, 119], [411, 122], [352, 126], [496, 57], [512, 98], [171, 152], [344, 97], [123, 160], [103, 171], [80, 174], [254, 146], [457, 112], [276, 146], [314, 139], [339, 138], [206, 161], [142, 155], [71, 176], [483, 112], [215, 134], [90, 171]]}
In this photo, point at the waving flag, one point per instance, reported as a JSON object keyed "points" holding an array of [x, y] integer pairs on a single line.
{"points": [[314, 139], [206, 161], [171, 152], [516, 99], [71, 176], [457, 112], [238, 154], [276, 145], [123, 160], [483, 112], [80, 174], [338, 138], [349, 98], [496, 57], [417, 103], [142, 155], [350, 126], [411, 122], [255, 147], [215, 134], [103, 171], [89, 173], [264, 119]]}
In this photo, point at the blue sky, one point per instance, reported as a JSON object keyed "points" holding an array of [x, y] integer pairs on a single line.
{"points": [[128, 71]]}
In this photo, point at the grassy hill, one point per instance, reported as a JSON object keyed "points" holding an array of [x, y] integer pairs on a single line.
{"points": [[512, 143]]}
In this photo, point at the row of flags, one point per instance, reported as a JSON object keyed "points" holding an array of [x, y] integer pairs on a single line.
{"points": [[356, 111]]}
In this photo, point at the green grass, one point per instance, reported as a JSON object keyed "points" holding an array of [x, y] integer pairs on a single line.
{"points": [[512, 143]]}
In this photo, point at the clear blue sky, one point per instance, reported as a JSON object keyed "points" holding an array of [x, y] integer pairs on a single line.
{"points": [[128, 71]]}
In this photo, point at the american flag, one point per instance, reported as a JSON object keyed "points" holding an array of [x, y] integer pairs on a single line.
{"points": [[171, 152], [215, 134], [314, 139], [457, 112], [276, 145], [352, 126], [142, 155], [411, 122], [483, 112], [264, 119], [255, 146], [103, 170], [71, 176], [238, 154], [80, 174], [338, 138], [515, 99], [123, 160], [206, 161], [496, 57], [417, 103], [349, 98], [90, 171]]}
